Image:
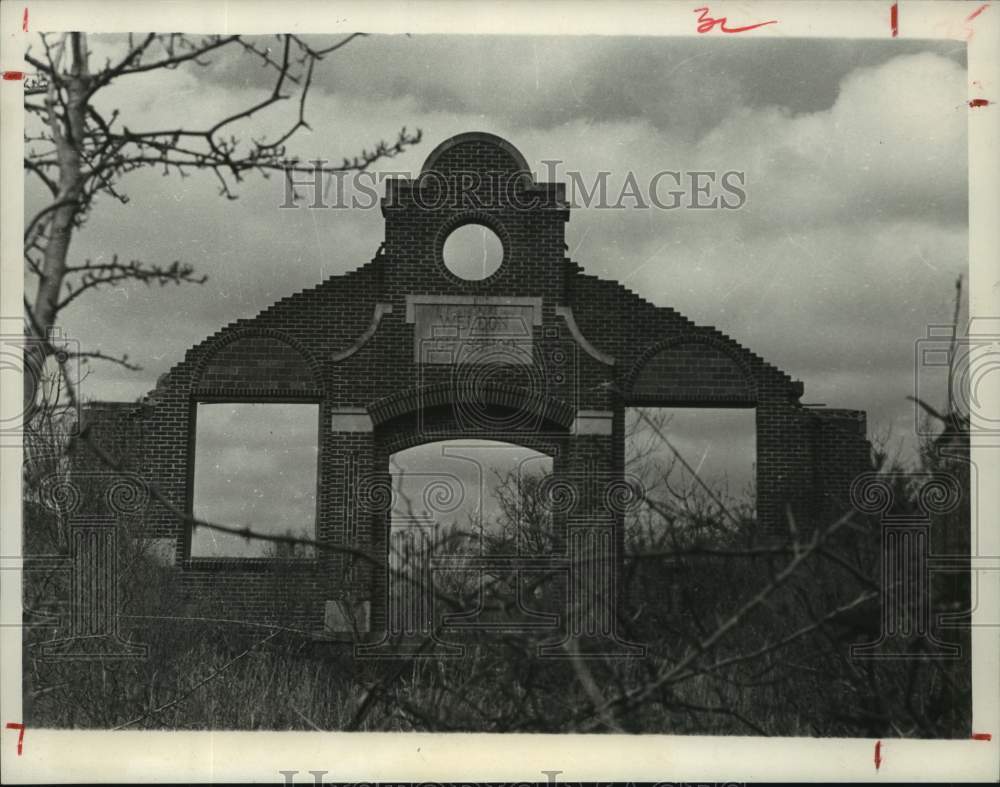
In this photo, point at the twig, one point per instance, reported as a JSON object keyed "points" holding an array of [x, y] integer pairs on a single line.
{"points": [[211, 676]]}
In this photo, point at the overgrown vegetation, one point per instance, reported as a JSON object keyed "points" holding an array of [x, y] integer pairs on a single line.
{"points": [[742, 636]]}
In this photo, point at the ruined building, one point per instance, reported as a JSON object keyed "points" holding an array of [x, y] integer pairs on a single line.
{"points": [[402, 351]]}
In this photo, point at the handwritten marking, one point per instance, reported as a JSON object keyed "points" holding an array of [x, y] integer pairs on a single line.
{"points": [[13, 75], [982, 736], [24, 20], [977, 12], [13, 725], [878, 755], [706, 23], [979, 102], [969, 32], [894, 19]]}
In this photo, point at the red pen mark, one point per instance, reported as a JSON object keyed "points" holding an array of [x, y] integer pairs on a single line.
{"points": [[13, 725], [982, 736], [12, 75], [894, 19], [878, 755], [24, 21], [706, 23], [977, 12], [969, 32], [978, 102]]}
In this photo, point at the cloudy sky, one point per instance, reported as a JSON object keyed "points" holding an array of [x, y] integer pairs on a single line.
{"points": [[255, 466], [854, 229]]}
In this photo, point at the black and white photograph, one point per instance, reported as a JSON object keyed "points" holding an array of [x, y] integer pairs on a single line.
{"points": [[392, 376]]}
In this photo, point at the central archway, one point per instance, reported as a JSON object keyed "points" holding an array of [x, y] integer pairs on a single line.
{"points": [[468, 520]]}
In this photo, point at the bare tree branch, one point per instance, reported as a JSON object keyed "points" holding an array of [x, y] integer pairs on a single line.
{"points": [[80, 154]]}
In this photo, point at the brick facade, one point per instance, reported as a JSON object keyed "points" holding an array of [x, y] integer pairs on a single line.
{"points": [[593, 348]]}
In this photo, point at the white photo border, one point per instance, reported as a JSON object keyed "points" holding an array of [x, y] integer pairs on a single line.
{"points": [[131, 756]]}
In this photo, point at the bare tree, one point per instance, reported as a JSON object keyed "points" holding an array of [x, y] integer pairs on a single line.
{"points": [[79, 154]]}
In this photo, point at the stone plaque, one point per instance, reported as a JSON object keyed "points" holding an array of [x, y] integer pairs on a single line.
{"points": [[458, 329]]}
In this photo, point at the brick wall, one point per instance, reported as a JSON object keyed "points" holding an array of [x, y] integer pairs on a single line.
{"points": [[840, 447], [685, 371], [256, 365], [347, 344]]}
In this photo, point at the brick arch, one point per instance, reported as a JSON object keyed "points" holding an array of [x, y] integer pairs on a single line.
{"points": [[414, 437], [721, 388], [307, 383], [477, 139], [437, 395]]}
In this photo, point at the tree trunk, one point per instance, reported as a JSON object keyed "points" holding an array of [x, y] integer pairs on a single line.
{"points": [[68, 134]]}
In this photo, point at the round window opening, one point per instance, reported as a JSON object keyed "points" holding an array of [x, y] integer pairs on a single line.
{"points": [[473, 252]]}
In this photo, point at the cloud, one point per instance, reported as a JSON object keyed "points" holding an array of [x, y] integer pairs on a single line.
{"points": [[854, 229], [680, 85], [256, 467]]}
